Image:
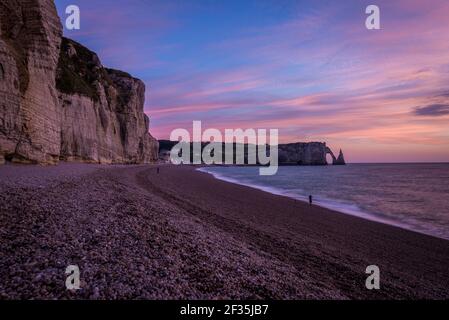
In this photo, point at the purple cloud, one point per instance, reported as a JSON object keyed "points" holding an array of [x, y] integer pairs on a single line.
{"points": [[433, 110]]}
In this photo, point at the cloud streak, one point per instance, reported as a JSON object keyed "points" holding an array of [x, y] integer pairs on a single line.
{"points": [[433, 110]]}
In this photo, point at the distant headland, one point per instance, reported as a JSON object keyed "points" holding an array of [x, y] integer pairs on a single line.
{"points": [[299, 153]]}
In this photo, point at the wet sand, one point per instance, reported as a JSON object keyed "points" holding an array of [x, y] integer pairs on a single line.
{"points": [[182, 234]]}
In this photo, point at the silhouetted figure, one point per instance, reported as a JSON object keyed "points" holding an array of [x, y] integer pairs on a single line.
{"points": [[310, 200], [157, 170]]}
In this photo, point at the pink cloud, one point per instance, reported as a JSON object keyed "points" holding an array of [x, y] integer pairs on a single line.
{"points": [[357, 89]]}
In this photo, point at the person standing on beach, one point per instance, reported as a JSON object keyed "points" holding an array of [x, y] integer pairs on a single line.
{"points": [[310, 200]]}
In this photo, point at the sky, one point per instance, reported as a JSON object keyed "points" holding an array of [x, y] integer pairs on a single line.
{"points": [[308, 68]]}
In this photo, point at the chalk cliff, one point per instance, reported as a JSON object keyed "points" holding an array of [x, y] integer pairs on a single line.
{"points": [[57, 101], [114, 128], [304, 153]]}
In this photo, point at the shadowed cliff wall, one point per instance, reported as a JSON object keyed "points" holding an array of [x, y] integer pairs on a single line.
{"points": [[57, 102]]}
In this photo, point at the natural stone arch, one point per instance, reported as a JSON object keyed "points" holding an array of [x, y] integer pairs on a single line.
{"points": [[329, 152], [329, 158], [336, 161]]}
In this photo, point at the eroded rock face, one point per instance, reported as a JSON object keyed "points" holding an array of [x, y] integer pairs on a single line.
{"points": [[303, 153], [29, 52], [340, 161], [114, 128], [308, 153], [57, 102]]}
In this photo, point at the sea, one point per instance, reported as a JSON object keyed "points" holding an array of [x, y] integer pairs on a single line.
{"points": [[413, 196]]}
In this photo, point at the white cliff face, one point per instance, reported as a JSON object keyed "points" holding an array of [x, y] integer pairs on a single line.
{"points": [[311, 153], [114, 127], [29, 53], [57, 102]]}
